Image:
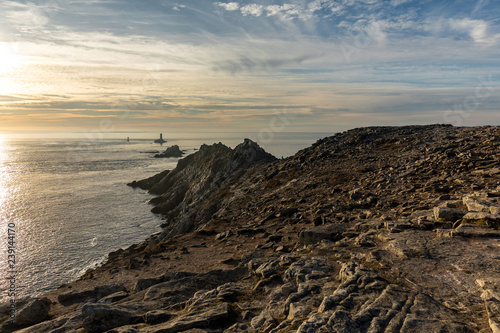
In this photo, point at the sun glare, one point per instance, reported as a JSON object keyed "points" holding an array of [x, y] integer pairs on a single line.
{"points": [[9, 60]]}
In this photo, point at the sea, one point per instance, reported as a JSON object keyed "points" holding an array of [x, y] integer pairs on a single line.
{"points": [[64, 202]]}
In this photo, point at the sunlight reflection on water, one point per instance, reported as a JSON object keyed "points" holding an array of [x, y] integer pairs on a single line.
{"points": [[4, 209]]}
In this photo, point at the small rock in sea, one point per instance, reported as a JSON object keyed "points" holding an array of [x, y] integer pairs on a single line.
{"points": [[173, 151]]}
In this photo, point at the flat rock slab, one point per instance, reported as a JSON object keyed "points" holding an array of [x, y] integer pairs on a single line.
{"points": [[482, 204], [480, 218], [468, 230]]}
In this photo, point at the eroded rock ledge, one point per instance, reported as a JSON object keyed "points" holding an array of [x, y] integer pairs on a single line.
{"points": [[383, 229]]}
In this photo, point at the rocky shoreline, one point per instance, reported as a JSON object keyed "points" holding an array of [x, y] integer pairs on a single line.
{"points": [[380, 229]]}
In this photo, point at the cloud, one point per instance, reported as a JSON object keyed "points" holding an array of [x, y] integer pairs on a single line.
{"points": [[399, 2], [253, 64], [230, 6], [178, 7], [476, 29], [286, 11], [252, 9]]}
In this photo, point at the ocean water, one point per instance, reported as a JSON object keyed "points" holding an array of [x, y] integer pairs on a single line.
{"points": [[65, 204]]}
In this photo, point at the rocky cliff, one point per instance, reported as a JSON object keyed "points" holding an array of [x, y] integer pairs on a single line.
{"points": [[192, 192], [382, 229]]}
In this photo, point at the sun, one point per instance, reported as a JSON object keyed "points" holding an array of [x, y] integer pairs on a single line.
{"points": [[9, 59]]}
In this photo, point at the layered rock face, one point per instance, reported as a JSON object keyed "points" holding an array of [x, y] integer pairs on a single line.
{"points": [[192, 192], [382, 229]]}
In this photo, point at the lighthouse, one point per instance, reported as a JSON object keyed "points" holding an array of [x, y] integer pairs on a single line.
{"points": [[160, 140]]}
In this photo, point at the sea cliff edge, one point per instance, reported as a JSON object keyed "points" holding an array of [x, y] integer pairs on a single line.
{"points": [[377, 229]]}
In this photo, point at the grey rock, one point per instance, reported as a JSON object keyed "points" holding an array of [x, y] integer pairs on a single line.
{"points": [[124, 329], [239, 328], [484, 219], [89, 295], [476, 202], [200, 318], [143, 284], [448, 214], [263, 320], [366, 303], [114, 297], [268, 269], [331, 232], [157, 316], [172, 151], [103, 317], [491, 298], [468, 230], [62, 324], [33, 312]]}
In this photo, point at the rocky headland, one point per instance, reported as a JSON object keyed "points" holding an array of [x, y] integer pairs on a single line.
{"points": [[380, 229]]}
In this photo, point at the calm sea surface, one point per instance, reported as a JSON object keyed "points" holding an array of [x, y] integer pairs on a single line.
{"points": [[69, 205]]}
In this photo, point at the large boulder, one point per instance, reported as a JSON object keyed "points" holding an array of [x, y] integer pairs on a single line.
{"points": [[33, 312], [448, 214]]}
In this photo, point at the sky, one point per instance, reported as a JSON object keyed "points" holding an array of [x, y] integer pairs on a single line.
{"points": [[227, 66]]}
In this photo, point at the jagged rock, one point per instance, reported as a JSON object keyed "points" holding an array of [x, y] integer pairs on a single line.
{"points": [[172, 151], [268, 269], [89, 295], [33, 312], [148, 183], [491, 298], [113, 297], [263, 321], [124, 329], [102, 317], [197, 185], [239, 328], [65, 323]]}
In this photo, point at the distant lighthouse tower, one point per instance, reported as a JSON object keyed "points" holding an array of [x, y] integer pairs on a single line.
{"points": [[160, 140]]}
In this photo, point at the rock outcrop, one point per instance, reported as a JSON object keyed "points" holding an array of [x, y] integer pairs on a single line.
{"points": [[382, 229], [172, 151], [192, 192]]}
